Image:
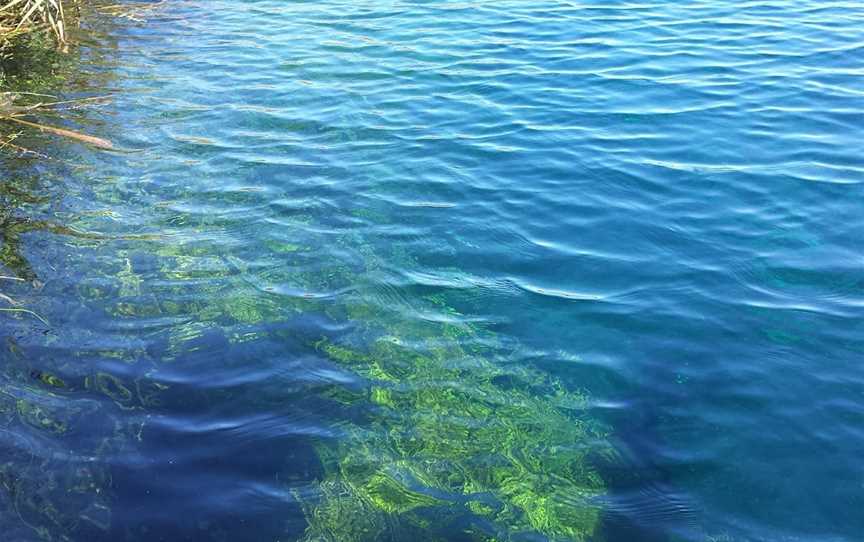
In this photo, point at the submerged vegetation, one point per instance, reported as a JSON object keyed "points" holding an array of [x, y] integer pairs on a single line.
{"points": [[449, 436], [456, 435], [438, 429]]}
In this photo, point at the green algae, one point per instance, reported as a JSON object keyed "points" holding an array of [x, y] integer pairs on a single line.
{"points": [[40, 417], [49, 379], [112, 387], [282, 248], [452, 433]]}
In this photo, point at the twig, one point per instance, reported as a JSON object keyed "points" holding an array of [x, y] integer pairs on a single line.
{"points": [[9, 140], [25, 150], [65, 102], [21, 93], [97, 142], [44, 321]]}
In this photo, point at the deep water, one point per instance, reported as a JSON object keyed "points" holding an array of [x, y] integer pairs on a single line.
{"points": [[462, 271]]}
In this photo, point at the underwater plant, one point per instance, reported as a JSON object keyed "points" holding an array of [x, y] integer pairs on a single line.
{"points": [[444, 434], [56, 489], [452, 431], [449, 433], [441, 435]]}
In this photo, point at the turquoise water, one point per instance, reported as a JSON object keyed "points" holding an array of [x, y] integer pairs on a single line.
{"points": [[483, 270]]}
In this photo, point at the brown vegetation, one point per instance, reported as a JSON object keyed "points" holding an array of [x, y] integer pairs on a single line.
{"points": [[24, 16]]}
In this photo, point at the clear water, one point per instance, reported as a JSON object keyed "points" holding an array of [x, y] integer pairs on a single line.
{"points": [[492, 270]]}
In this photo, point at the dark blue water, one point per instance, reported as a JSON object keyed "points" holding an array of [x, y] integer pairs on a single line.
{"points": [[440, 270]]}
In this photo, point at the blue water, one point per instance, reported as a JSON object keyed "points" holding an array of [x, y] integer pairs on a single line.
{"points": [[611, 250]]}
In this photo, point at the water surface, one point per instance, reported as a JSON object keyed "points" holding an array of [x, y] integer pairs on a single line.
{"points": [[445, 271]]}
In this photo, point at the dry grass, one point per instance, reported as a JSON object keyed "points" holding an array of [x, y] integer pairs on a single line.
{"points": [[19, 17], [23, 16]]}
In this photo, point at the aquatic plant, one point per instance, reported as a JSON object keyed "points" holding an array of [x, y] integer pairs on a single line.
{"points": [[454, 431], [59, 490], [33, 39], [444, 432], [451, 434]]}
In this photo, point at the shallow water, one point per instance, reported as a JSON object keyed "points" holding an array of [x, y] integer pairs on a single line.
{"points": [[445, 271]]}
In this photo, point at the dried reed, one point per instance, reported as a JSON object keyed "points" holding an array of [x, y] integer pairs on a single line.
{"points": [[22, 16]]}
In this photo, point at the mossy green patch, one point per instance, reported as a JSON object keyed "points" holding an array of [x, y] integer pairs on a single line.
{"points": [[449, 428], [40, 417]]}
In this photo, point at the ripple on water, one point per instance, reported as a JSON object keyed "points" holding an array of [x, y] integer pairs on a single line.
{"points": [[353, 230]]}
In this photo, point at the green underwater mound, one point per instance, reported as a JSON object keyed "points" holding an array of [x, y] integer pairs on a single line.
{"points": [[453, 438], [450, 437]]}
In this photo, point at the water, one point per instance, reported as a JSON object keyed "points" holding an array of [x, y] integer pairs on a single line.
{"points": [[445, 271]]}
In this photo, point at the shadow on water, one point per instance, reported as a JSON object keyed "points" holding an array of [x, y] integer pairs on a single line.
{"points": [[208, 437], [188, 483], [644, 504]]}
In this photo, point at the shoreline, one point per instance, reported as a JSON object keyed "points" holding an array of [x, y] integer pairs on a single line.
{"points": [[38, 66]]}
